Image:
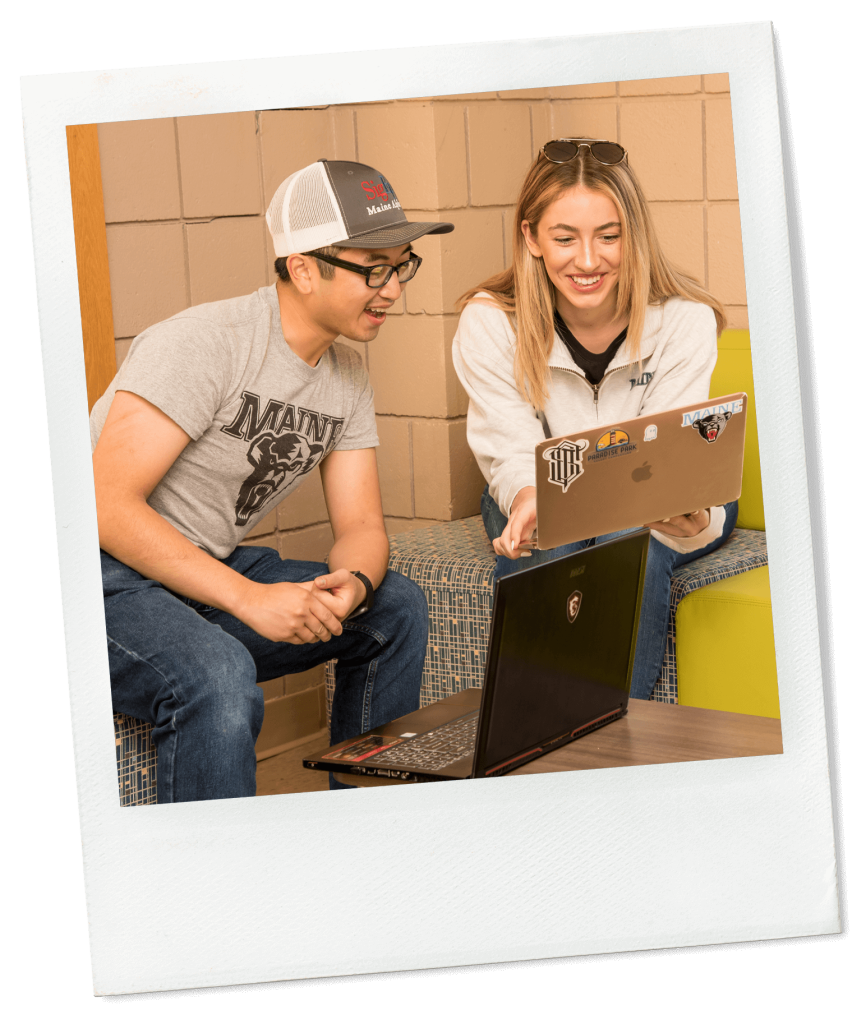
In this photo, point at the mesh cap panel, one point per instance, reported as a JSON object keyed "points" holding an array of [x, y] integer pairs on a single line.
{"points": [[303, 214], [274, 216], [310, 204]]}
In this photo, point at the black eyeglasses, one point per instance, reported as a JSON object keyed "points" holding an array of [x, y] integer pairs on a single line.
{"points": [[560, 151], [378, 276]]}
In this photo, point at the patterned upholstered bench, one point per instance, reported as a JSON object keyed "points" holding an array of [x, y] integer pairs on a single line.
{"points": [[136, 761], [453, 564]]}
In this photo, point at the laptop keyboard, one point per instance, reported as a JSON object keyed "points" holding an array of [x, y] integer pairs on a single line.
{"points": [[435, 749]]}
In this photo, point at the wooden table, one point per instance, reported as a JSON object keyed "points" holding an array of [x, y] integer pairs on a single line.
{"points": [[651, 733]]}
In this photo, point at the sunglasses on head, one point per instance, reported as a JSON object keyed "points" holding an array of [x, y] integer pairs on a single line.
{"points": [[378, 276], [560, 151]]}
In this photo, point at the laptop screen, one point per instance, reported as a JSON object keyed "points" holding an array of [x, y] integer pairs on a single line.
{"points": [[562, 640]]}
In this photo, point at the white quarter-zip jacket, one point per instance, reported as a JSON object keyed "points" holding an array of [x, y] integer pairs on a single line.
{"points": [[678, 354]]}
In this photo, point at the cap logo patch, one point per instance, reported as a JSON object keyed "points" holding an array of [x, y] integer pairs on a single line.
{"points": [[380, 193]]}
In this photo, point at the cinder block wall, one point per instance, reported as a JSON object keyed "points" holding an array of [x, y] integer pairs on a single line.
{"points": [[185, 200]]}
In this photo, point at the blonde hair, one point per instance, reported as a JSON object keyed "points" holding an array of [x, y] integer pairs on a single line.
{"points": [[525, 292]]}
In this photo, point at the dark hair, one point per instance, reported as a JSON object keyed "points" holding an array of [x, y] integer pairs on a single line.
{"points": [[325, 269]]}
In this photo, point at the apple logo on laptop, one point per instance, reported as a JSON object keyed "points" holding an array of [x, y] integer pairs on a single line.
{"points": [[642, 473]]}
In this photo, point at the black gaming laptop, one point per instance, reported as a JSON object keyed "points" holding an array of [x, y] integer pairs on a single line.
{"points": [[559, 664]]}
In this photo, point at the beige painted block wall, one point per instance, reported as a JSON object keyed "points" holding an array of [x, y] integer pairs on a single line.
{"points": [[185, 201]]}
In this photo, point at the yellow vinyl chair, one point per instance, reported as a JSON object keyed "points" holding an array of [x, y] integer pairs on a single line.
{"points": [[725, 652]]}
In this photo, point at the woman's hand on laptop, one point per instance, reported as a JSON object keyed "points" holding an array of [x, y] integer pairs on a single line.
{"points": [[688, 525], [520, 526]]}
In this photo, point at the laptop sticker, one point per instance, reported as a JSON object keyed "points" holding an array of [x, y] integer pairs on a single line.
{"points": [[651, 432], [611, 438], [572, 605], [566, 462], [711, 426], [712, 420], [612, 442]]}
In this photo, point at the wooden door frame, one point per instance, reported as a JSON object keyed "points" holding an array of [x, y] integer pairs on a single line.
{"points": [[91, 257]]}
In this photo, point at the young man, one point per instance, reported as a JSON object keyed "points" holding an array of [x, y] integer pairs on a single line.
{"points": [[216, 415]]}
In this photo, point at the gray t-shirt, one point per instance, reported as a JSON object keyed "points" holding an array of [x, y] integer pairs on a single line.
{"points": [[260, 418]]}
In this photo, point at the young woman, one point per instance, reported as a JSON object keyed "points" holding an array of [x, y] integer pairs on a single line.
{"points": [[590, 325]]}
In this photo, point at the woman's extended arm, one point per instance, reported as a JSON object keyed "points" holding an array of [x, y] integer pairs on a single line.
{"points": [[691, 358], [520, 526], [688, 359], [501, 426]]}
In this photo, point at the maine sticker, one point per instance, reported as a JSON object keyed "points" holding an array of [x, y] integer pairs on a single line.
{"points": [[566, 462], [712, 420]]}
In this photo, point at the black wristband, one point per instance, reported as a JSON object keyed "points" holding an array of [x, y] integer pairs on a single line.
{"points": [[367, 603]]}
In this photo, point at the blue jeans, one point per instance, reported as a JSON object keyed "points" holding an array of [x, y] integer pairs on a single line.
{"points": [[655, 608], [191, 670]]}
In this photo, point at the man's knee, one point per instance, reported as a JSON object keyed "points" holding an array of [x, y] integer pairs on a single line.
{"points": [[403, 601], [234, 680], [218, 687]]}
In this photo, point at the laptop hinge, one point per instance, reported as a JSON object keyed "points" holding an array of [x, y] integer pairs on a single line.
{"points": [[515, 762]]}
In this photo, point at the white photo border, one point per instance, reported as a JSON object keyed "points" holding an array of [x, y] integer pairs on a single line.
{"points": [[322, 884]]}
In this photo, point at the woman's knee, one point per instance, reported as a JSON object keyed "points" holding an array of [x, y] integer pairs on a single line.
{"points": [[732, 512], [492, 516]]}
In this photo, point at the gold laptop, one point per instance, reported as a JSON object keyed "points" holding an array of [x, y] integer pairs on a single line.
{"points": [[639, 471]]}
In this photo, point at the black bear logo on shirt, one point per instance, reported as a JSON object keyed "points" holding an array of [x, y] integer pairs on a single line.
{"points": [[276, 461]]}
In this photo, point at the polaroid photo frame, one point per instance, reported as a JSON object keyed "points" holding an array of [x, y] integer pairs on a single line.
{"points": [[597, 861]]}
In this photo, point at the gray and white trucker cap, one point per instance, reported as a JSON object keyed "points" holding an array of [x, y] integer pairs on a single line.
{"points": [[340, 202]]}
